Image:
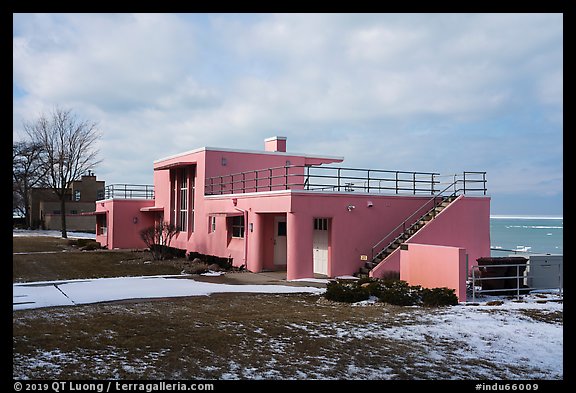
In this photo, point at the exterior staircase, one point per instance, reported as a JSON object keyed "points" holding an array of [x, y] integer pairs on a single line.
{"points": [[405, 231]]}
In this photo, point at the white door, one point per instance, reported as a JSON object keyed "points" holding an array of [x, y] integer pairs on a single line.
{"points": [[279, 240], [320, 246]]}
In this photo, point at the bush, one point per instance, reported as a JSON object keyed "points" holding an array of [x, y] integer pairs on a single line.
{"points": [[435, 297], [389, 290], [372, 285], [399, 293], [157, 238], [85, 244], [223, 263], [166, 252], [92, 245], [346, 291]]}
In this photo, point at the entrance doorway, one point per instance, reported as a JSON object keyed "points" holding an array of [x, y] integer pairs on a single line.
{"points": [[280, 245], [320, 246]]}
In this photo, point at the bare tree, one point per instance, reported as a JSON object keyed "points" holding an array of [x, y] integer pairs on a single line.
{"points": [[27, 172], [69, 146], [157, 238]]}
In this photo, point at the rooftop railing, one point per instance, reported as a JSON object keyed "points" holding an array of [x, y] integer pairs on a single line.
{"points": [[338, 179], [129, 191]]}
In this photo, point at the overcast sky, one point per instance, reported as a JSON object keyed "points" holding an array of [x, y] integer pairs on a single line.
{"points": [[425, 92]]}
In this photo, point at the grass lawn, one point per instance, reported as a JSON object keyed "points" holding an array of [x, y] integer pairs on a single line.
{"points": [[42, 258]]}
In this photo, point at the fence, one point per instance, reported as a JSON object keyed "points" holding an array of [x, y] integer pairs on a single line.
{"points": [[129, 191], [338, 179], [523, 279]]}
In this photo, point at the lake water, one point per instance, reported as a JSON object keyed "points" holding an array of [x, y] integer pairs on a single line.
{"points": [[531, 234]]}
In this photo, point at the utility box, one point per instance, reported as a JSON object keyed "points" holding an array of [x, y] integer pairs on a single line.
{"points": [[545, 271]]}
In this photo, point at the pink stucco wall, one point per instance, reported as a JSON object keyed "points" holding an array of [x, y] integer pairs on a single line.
{"points": [[217, 162], [465, 223], [434, 267], [124, 222], [352, 233]]}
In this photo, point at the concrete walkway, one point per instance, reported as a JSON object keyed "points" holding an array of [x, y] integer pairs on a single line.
{"points": [[263, 278], [85, 291]]}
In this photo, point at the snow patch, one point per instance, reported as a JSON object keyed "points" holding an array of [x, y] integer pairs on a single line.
{"points": [[71, 292]]}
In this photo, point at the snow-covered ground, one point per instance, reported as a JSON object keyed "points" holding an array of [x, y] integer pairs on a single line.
{"points": [[40, 232], [483, 343], [72, 292], [513, 333]]}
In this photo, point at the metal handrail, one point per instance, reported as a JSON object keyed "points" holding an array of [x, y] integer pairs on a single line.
{"points": [[226, 184], [403, 223], [129, 191], [527, 274], [454, 193]]}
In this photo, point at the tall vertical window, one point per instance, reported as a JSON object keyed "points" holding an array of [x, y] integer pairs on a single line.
{"points": [[173, 198], [183, 201], [192, 183], [212, 224], [182, 182]]}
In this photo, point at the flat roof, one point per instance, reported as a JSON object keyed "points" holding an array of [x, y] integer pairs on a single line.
{"points": [[276, 153]]}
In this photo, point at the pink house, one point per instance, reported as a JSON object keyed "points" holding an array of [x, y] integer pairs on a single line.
{"points": [[275, 210]]}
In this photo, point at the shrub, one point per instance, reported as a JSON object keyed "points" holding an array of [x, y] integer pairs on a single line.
{"points": [[157, 238], [85, 244], [166, 252], [399, 293], [92, 245], [196, 268], [223, 263], [372, 285], [347, 291], [391, 291], [435, 297]]}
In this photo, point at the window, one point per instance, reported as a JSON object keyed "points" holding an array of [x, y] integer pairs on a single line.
{"points": [[182, 188], [281, 228], [76, 195], [238, 226], [173, 198], [321, 224], [183, 202], [101, 224], [100, 194], [211, 224], [73, 211]]}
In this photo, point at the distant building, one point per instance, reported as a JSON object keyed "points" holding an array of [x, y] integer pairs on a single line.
{"points": [[81, 197]]}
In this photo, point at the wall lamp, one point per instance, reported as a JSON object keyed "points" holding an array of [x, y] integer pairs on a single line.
{"points": [[350, 207]]}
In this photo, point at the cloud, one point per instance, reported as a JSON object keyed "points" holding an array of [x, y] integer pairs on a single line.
{"points": [[115, 62], [428, 92]]}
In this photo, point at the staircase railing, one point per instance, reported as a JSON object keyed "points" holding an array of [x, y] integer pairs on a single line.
{"points": [[396, 233]]}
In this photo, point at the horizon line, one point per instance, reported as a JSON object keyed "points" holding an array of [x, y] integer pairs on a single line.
{"points": [[528, 216]]}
